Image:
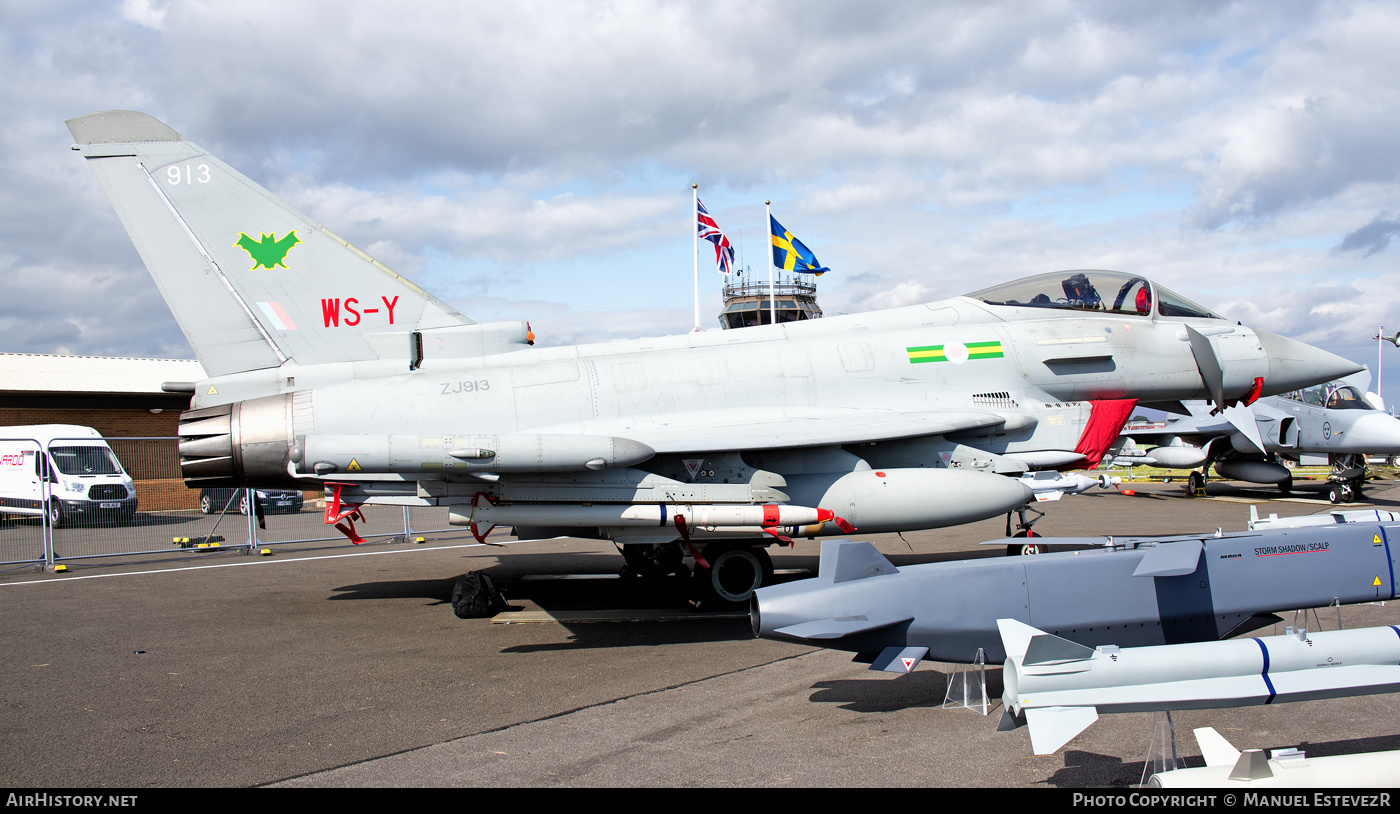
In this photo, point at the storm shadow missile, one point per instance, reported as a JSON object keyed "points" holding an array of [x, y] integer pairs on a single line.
{"points": [[1128, 593], [1228, 767], [1058, 687]]}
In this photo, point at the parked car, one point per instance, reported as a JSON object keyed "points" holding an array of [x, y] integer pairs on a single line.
{"points": [[270, 501]]}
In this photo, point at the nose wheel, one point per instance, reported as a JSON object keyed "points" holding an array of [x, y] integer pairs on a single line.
{"points": [[1342, 493]]}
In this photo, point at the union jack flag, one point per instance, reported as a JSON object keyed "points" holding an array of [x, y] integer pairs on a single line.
{"points": [[709, 230]]}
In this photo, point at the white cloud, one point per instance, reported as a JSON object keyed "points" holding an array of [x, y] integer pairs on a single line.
{"points": [[922, 150]]}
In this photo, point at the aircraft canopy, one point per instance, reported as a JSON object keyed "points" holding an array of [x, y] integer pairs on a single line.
{"points": [[1111, 292]]}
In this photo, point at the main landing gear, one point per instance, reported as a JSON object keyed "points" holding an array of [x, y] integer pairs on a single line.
{"points": [[725, 573]]}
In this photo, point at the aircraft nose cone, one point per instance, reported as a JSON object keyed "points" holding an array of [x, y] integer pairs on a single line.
{"points": [[1294, 364], [1375, 434]]}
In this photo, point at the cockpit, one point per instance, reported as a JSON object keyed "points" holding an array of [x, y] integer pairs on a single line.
{"points": [[1331, 397], [1106, 292]]}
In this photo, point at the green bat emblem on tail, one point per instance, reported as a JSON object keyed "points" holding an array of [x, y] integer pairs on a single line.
{"points": [[267, 252]]}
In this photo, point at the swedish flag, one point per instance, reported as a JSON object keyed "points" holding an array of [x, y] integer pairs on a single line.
{"points": [[790, 255]]}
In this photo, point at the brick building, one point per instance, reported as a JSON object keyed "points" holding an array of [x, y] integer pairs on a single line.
{"points": [[114, 395], [118, 397]]}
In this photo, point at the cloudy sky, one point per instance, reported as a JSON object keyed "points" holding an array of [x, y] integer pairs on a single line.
{"points": [[533, 160]]}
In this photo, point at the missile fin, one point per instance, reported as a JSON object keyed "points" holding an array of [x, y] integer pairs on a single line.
{"points": [[1053, 727], [840, 627], [1029, 646], [843, 560], [899, 659], [1046, 649], [1214, 748], [1010, 720], [1170, 559], [1253, 765]]}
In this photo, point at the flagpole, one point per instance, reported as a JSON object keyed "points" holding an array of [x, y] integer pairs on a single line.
{"points": [[695, 255], [772, 301]]}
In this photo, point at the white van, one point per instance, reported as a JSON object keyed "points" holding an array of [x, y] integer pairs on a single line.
{"points": [[86, 481]]}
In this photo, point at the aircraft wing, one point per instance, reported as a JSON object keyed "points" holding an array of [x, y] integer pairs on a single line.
{"points": [[1186, 428], [774, 428], [1202, 426]]}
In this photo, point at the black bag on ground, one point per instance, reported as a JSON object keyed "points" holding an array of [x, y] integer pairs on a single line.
{"points": [[475, 595]]}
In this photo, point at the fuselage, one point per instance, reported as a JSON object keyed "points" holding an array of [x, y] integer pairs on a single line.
{"points": [[1036, 368]]}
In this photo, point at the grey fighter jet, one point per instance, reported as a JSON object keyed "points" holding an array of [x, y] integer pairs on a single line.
{"points": [[328, 370], [1257, 443]]}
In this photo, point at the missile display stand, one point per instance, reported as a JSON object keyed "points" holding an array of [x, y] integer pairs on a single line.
{"points": [[1161, 751], [967, 686]]}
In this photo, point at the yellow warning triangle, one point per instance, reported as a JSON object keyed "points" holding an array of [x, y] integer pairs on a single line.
{"points": [[354, 466], [212, 391], [1375, 539], [1377, 582]]}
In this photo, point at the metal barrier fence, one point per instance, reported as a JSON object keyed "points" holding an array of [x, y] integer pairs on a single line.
{"points": [[85, 498], [23, 494]]}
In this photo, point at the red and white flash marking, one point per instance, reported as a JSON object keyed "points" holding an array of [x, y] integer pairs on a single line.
{"points": [[278, 316]]}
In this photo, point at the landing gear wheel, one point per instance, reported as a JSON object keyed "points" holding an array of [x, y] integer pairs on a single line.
{"points": [[1194, 483], [1023, 549], [652, 560], [735, 573], [1286, 485], [55, 513], [1337, 494]]}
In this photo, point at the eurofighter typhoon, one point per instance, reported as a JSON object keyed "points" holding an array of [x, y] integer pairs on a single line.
{"points": [[328, 370]]}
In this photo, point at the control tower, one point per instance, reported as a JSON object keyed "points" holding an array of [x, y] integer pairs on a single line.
{"points": [[746, 299]]}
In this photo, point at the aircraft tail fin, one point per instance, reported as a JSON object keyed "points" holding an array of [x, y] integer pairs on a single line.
{"points": [[252, 281]]}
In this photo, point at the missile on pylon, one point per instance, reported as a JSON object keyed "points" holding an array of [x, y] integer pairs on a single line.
{"points": [[1126, 592], [643, 514], [1228, 767]]}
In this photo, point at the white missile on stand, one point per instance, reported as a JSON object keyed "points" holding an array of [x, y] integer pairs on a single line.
{"points": [[1058, 687], [1228, 767]]}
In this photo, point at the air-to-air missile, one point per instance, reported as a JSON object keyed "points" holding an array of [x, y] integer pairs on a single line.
{"points": [[1127, 592], [1228, 767], [1058, 687], [1273, 521]]}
